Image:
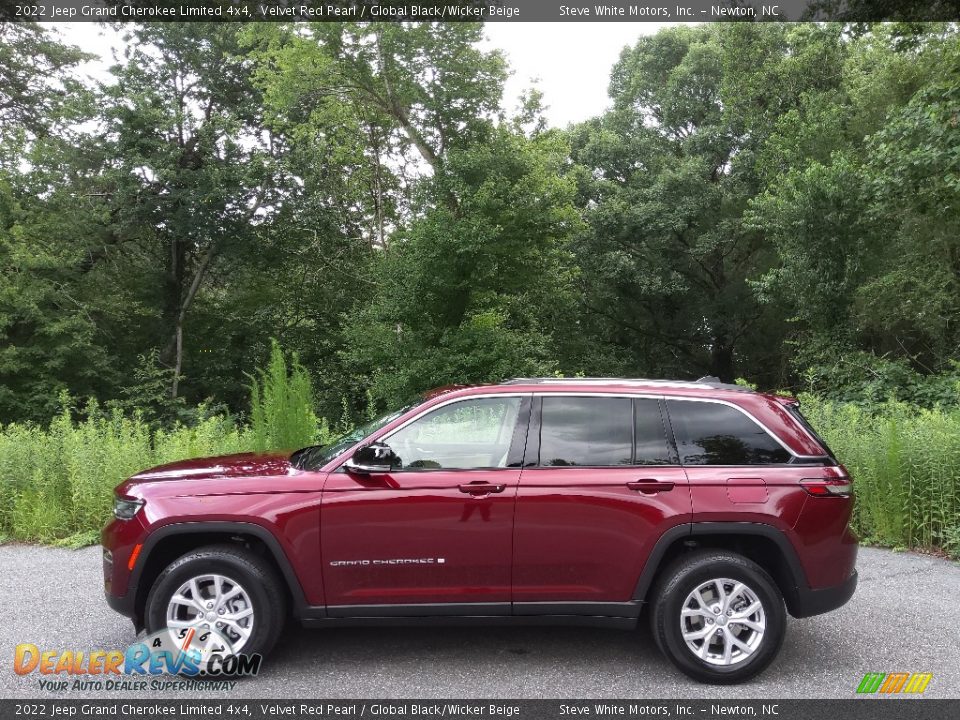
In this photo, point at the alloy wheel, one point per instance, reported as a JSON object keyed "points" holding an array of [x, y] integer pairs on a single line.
{"points": [[213, 602], [722, 622]]}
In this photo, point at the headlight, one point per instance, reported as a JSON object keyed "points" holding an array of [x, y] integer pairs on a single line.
{"points": [[124, 508]]}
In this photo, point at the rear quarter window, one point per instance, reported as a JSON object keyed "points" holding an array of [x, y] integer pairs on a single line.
{"points": [[710, 433]]}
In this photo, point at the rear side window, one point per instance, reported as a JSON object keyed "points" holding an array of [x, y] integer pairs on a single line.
{"points": [[794, 410], [714, 434], [586, 431], [599, 432], [651, 435]]}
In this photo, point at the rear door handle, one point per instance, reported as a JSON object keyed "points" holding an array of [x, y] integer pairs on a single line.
{"points": [[650, 486], [479, 487]]}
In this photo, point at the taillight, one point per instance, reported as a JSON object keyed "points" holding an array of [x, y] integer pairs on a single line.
{"points": [[823, 487]]}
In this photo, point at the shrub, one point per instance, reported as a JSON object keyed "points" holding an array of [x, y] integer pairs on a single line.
{"points": [[56, 483], [905, 462], [281, 399]]}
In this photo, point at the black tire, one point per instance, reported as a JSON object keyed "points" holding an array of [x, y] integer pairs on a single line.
{"points": [[689, 573], [256, 575]]}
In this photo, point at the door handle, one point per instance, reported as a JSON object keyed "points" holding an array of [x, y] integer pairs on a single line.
{"points": [[650, 486], [479, 487]]}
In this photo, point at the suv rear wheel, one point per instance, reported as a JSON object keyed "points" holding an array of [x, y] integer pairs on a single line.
{"points": [[223, 588], [718, 616]]}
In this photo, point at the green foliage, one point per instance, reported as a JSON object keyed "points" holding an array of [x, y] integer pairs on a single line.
{"points": [[476, 290], [867, 380], [773, 201], [665, 178], [57, 482], [38, 86], [281, 405], [860, 203], [904, 463]]}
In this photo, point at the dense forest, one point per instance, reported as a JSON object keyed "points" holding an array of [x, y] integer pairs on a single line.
{"points": [[766, 201], [774, 203]]}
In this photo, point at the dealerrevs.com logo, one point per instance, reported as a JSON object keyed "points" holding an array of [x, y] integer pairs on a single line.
{"points": [[197, 656], [894, 683]]}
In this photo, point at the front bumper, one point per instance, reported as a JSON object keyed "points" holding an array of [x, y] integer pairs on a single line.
{"points": [[118, 539], [811, 602]]}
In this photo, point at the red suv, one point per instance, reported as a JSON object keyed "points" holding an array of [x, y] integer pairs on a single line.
{"points": [[537, 500]]}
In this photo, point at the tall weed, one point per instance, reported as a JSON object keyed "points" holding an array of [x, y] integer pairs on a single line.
{"points": [[905, 463], [56, 482], [281, 399]]}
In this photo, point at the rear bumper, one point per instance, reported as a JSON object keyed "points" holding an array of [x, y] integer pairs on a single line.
{"points": [[814, 602]]}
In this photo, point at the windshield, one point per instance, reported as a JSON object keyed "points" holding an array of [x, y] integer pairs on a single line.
{"points": [[316, 456]]}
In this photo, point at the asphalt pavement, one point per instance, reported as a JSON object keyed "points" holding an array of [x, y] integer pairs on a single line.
{"points": [[903, 617]]}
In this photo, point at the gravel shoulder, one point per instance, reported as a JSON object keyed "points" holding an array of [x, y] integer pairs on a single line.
{"points": [[902, 618]]}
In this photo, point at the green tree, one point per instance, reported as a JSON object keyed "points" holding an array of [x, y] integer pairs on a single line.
{"points": [[665, 178], [37, 84], [859, 202], [190, 179], [480, 291], [49, 312]]}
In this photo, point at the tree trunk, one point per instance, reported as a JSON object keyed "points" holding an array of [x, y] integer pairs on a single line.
{"points": [[721, 359], [171, 355], [178, 363]]}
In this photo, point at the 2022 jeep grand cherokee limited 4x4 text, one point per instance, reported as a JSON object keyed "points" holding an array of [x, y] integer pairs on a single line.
{"points": [[550, 500]]}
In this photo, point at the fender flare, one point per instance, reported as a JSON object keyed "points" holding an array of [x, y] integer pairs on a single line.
{"points": [[219, 528], [794, 570]]}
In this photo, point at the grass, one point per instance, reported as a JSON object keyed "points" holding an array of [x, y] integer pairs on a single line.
{"points": [[56, 482], [905, 464]]}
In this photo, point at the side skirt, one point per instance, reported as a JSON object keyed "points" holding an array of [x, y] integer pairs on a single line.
{"points": [[589, 614], [474, 621]]}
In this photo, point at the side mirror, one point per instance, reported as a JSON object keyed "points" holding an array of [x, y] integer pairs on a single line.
{"points": [[372, 459]]}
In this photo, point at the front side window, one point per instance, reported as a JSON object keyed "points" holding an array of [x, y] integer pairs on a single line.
{"points": [[714, 434], [586, 431], [469, 434], [316, 456]]}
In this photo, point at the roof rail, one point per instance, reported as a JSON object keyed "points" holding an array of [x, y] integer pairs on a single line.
{"points": [[704, 382], [714, 381]]}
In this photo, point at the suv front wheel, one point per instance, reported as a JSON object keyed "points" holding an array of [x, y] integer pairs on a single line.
{"points": [[718, 616], [224, 588]]}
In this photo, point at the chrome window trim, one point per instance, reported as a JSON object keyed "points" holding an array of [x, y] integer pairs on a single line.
{"points": [[749, 415], [567, 393], [626, 395], [683, 398], [451, 401]]}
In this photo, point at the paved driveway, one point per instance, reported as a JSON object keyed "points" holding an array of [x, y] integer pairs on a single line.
{"points": [[902, 618]]}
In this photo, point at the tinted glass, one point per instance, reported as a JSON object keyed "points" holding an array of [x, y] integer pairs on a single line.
{"points": [[315, 456], [586, 431], [462, 435], [795, 411], [714, 434], [651, 439]]}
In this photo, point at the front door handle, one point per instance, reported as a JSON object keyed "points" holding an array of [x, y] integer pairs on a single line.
{"points": [[480, 487], [650, 486]]}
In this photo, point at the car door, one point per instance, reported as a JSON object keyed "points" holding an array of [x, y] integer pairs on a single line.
{"points": [[436, 529], [601, 484]]}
